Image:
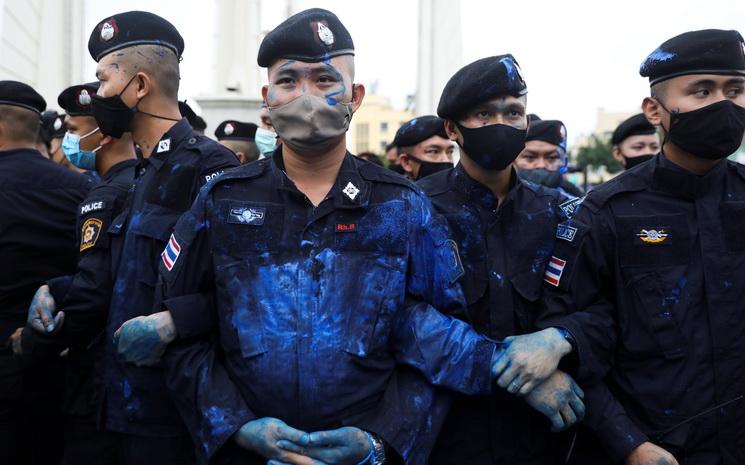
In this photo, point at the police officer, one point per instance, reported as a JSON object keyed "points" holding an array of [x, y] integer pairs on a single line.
{"points": [[138, 56], [301, 361], [544, 159], [38, 201], [197, 122], [391, 156], [635, 141], [114, 160], [505, 229], [423, 147], [51, 132], [652, 276], [240, 138]]}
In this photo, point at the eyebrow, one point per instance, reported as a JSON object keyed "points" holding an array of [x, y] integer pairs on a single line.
{"points": [[499, 108], [321, 68]]}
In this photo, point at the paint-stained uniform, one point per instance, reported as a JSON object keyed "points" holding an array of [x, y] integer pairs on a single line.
{"points": [[316, 307], [135, 399], [653, 285], [504, 251]]}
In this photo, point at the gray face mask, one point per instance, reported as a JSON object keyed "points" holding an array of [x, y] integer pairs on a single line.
{"points": [[310, 125]]}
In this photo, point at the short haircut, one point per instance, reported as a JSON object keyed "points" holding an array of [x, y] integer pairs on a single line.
{"points": [[659, 90], [246, 147], [19, 124], [158, 62]]}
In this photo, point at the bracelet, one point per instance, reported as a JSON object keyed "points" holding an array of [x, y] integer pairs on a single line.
{"points": [[377, 451]]}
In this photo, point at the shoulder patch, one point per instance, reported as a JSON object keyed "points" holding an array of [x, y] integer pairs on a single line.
{"points": [[566, 231], [570, 206], [89, 233], [170, 253], [92, 206], [554, 270]]}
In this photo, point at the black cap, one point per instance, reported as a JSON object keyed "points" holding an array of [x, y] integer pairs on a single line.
{"points": [[552, 131], [52, 126], [76, 100], [235, 130], [711, 51], [311, 36], [637, 125], [479, 82], [195, 121], [21, 95], [133, 28], [419, 129]]}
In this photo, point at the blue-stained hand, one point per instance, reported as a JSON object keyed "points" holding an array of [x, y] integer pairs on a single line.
{"points": [[263, 437], [343, 446], [41, 315], [143, 339], [528, 360], [559, 399]]}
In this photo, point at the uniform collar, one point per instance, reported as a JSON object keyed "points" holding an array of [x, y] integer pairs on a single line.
{"points": [[680, 182], [121, 166], [169, 142], [348, 192], [480, 194]]}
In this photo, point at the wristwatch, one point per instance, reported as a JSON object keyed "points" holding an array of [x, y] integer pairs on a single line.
{"points": [[568, 337], [377, 457]]}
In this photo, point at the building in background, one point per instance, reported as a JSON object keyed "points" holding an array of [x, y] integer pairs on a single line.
{"points": [[44, 43], [375, 124], [440, 51]]}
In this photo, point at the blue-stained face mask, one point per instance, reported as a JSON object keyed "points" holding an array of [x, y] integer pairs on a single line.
{"points": [[266, 141], [83, 159]]}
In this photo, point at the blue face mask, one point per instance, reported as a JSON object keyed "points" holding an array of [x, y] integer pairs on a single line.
{"points": [[266, 141], [83, 159]]}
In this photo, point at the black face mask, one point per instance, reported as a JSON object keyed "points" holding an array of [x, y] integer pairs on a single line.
{"points": [[398, 169], [427, 168], [493, 147], [712, 132], [637, 160], [112, 115], [541, 176]]}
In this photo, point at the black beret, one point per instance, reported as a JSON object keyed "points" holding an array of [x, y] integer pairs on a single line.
{"points": [[479, 82], [76, 100], [21, 95], [637, 125], [548, 130], [419, 129], [311, 36], [133, 28], [711, 51], [195, 121], [52, 126], [235, 130]]}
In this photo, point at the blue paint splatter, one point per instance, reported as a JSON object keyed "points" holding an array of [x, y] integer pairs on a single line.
{"points": [[510, 67]]}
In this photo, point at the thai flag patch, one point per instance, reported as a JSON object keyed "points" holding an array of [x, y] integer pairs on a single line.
{"points": [[554, 269], [171, 253]]}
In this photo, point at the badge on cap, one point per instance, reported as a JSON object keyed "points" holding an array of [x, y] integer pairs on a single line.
{"points": [[653, 236], [325, 34], [108, 30], [84, 98], [351, 191], [57, 124], [228, 129]]}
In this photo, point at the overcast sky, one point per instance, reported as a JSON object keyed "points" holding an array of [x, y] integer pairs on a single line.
{"points": [[576, 56]]}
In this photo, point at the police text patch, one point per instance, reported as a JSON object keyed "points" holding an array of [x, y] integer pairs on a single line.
{"points": [[90, 232], [91, 207], [566, 232], [570, 206], [211, 176], [253, 216]]}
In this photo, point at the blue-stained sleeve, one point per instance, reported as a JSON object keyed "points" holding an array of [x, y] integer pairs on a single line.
{"points": [[208, 401], [447, 351]]}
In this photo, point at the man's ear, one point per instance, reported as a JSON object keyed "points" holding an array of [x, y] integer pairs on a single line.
{"points": [[143, 84], [104, 140], [617, 155], [451, 130], [241, 157], [264, 93], [358, 94], [652, 111], [406, 163]]}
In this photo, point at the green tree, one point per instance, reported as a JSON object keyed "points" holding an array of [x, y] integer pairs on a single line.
{"points": [[598, 152]]}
